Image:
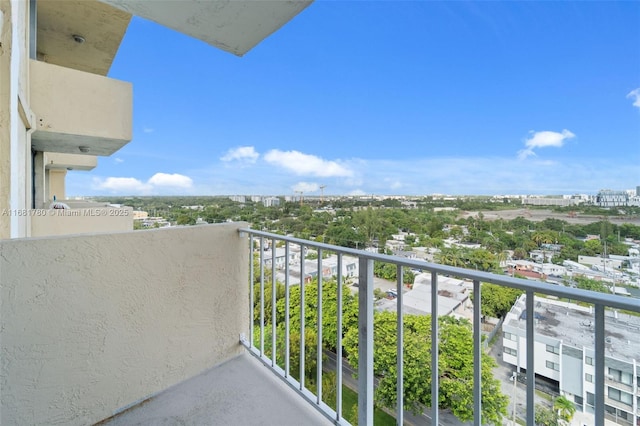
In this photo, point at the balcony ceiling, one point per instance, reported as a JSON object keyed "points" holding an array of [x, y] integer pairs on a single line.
{"points": [[57, 161], [101, 26], [233, 26]]}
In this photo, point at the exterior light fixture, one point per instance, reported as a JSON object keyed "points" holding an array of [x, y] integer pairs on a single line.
{"points": [[83, 149]]}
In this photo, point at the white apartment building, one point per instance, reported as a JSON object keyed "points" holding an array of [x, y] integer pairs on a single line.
{"points": [[564, 353]]}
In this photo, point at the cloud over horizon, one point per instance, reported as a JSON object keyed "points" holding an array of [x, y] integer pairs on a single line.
{"points": [[306, 164], [245, 154], [158, 183], [544, 139]]}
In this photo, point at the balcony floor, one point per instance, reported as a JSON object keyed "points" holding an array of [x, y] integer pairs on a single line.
{"points": [[241, 391]]}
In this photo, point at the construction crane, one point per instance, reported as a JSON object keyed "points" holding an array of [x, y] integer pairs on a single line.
{"points": [[322, 187]]}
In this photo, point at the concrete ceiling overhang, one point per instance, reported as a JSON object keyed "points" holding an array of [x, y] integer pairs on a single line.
{"points": [[58, 161], [101, 26], [234, 26]]}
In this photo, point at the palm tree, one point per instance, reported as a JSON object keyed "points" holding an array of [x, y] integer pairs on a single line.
{"points": [[564, 408]]}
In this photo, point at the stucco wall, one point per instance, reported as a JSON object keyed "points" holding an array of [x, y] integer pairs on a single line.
{"points": [[94, 323], [48, 222]]}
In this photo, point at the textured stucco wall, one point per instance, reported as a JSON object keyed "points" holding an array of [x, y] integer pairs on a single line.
{"points": [[79, 108], [93, 323], [47, 222]]}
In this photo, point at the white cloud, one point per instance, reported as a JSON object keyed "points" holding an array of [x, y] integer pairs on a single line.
{"points": [[305, 187], [305, 164], [544, 139], [158, 183], [635, 95], [148, 130], [122, 184], [357, 193], [171, 180], [245, 154], [118, 160]]}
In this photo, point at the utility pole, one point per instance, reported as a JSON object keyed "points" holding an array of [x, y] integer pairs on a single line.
{"points": [[322, 187]]}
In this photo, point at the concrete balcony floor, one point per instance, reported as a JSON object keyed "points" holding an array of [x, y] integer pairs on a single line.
{"points": [[241, 391]]}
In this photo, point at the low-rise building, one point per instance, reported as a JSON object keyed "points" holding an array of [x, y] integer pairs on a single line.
{"points": [[564, 355]]}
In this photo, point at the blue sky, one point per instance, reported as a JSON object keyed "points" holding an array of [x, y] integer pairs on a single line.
{"points": [[376, 97]]}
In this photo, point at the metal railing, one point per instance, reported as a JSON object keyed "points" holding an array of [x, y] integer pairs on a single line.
{"points": [[365, 326]]}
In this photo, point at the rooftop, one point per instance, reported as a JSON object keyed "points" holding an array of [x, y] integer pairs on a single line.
{"points": [[574, 325]]}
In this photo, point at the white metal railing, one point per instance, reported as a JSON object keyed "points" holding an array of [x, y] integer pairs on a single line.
{"points": [[365, 327]]}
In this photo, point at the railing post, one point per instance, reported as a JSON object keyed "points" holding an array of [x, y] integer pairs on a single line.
{"points": [[302, 316], [273, 303], [287, 332], [400, 348], [251, 294], [339, 343], [477, 354], [319, 332], [599, 365], [261, 296], [365, 342], [531, 377], [435, 371]]}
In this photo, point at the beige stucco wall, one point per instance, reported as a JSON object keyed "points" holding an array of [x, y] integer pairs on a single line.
{"points": [[15, 119], [93, 323], [57, 186], [76, 108], [47, 222]]}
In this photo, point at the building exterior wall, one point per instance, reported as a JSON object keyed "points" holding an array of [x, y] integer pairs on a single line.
{"points": [[92, 324], [57, 185], [15, 119], [572, 367], [47, 222]]}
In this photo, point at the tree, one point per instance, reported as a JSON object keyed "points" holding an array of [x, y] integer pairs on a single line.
{"points": [[455, 368], [564, 408], [545, 416], [497, 300]]}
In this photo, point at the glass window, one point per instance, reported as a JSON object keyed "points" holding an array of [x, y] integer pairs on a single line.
{"points": [[618, 395], [553, 349], [590, 398], [553, 365], [588, 360], [588, 377]]}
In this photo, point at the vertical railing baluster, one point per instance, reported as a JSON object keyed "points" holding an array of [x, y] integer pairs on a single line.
{"points": [[477, 354], [339, 342], [251, 293], [599, 365], [435, 372], [261, 296], [273, 302], [287, 335], [319, 332], [302, 306], [365, 342], [399, 348], [531, 377]]}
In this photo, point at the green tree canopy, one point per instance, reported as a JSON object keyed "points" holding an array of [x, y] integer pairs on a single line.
{"points": [[455, 366]]}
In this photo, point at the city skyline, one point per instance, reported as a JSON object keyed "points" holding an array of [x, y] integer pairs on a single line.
{"points": [[381, 98]]}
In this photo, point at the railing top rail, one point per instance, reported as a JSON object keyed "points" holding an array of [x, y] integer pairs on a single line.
{"points": [[609, 300]]}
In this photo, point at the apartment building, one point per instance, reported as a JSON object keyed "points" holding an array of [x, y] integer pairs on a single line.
{"points": [[58, 109], [564, 354]]}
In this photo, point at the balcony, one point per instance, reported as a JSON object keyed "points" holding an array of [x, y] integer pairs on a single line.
{"points": [[82, 217], [78, 112], [157, 326]]}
